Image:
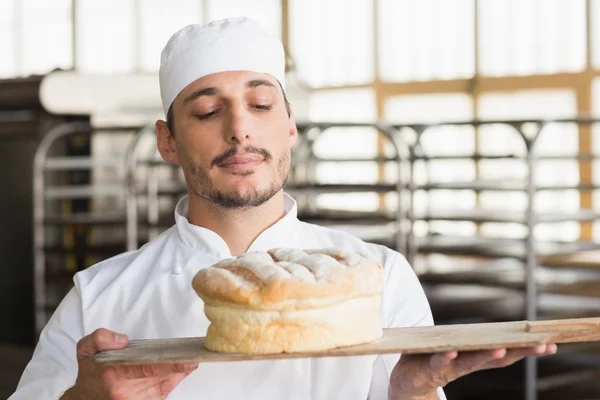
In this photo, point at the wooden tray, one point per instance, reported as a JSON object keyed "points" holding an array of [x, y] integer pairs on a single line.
{"points": [[396, 340]]}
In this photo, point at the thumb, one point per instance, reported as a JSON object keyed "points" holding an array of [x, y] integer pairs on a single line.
{"points": [[100, 340]]}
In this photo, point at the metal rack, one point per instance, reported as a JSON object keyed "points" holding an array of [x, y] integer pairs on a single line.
{"points": [[506, 263], [53, 216]]}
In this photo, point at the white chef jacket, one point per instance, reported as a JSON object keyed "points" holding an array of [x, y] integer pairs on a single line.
{"points": [[147, 294]]}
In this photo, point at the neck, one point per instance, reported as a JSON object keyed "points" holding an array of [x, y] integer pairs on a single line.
{"points": [[239, 228]]}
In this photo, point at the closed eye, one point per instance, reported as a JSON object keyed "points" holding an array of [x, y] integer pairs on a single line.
{"points": [[206, 116], [263, 107]]}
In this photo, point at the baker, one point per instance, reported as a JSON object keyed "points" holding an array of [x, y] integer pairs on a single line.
{"points": [[230, 128]]}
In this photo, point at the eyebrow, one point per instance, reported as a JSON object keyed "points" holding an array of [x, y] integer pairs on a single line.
{"points": [[259, 82], [211, 91]]}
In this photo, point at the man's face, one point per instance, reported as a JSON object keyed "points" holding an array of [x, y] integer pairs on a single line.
{"points": [[232, 137]]}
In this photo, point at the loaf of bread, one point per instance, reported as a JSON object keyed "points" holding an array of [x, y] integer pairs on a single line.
{"points": [[291, 300]]}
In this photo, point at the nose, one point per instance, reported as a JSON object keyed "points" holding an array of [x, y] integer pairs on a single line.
{"points": [[238, 131]]}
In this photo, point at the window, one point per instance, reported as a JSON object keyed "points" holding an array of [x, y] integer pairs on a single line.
{"points": [[330, 50], [105, 36], [8, 64], [27, 51], [520, 37], [426, 39], [159, 20], [595, 32], [49, 45], [266, 12]]}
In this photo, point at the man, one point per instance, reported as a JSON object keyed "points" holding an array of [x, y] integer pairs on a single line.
{"points": [[230, 129]]}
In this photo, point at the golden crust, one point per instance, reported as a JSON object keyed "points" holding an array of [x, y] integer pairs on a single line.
{"points": [[289, 279]]}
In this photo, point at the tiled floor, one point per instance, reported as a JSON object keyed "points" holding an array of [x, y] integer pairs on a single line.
{"points": [[13, 360]]}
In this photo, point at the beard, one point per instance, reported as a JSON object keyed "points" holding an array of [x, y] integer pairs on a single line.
{"points": [[202, 185]]}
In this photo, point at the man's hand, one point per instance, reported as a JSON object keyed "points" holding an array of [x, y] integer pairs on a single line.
{"points": [[417, 377], [98, 382]]}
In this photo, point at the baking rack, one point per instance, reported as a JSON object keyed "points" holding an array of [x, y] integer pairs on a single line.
{"points": [[521, 265]]}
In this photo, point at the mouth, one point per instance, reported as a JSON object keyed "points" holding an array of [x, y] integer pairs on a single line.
{"points": [[242, 162]]}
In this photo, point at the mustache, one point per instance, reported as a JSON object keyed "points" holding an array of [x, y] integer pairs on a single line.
{"points": [[220, 159]]}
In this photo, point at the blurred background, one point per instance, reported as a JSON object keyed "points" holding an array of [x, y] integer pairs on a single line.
{"points": [[462, 133]]}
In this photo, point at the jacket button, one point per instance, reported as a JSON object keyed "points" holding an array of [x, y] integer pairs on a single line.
{"points": [[177, 269]]}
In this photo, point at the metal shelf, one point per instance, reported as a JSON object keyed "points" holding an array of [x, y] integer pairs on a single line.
{"points": [[339, 188], [78, 162], [479, 157], [107, 219], [333, 217], [118, 218], [583, 260], [496, 247], [349, 160], [507, 274], [65, 192], [486, 215], [108, 249], [498, 185]]}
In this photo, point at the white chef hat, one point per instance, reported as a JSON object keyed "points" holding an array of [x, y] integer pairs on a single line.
{"points": [[235, 44]]}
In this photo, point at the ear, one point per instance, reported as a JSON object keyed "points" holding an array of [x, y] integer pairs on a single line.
{"points": [[165, 142], [293, 133]]}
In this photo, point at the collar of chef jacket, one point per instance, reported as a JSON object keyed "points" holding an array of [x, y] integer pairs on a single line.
{"points": [[199, 238]]}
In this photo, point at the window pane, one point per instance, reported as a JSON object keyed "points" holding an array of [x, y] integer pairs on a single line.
{"points": [[426, 39], [48, 45], [105, 36], [595, 32], [428, 108], [8, 66], [330, 50], [159, 20], [266, 12], [520, 37]]}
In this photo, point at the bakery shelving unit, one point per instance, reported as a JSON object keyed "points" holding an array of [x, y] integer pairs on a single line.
{"points": [[513, 266], [385, 225], [79, 219]]}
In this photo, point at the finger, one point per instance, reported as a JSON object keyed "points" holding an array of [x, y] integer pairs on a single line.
{"points": [[153, 370], [518, 354], [143, 383], [468, 362], [161, 387], [551, 349], [529, 351], [100, 340], [440, 360]]}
